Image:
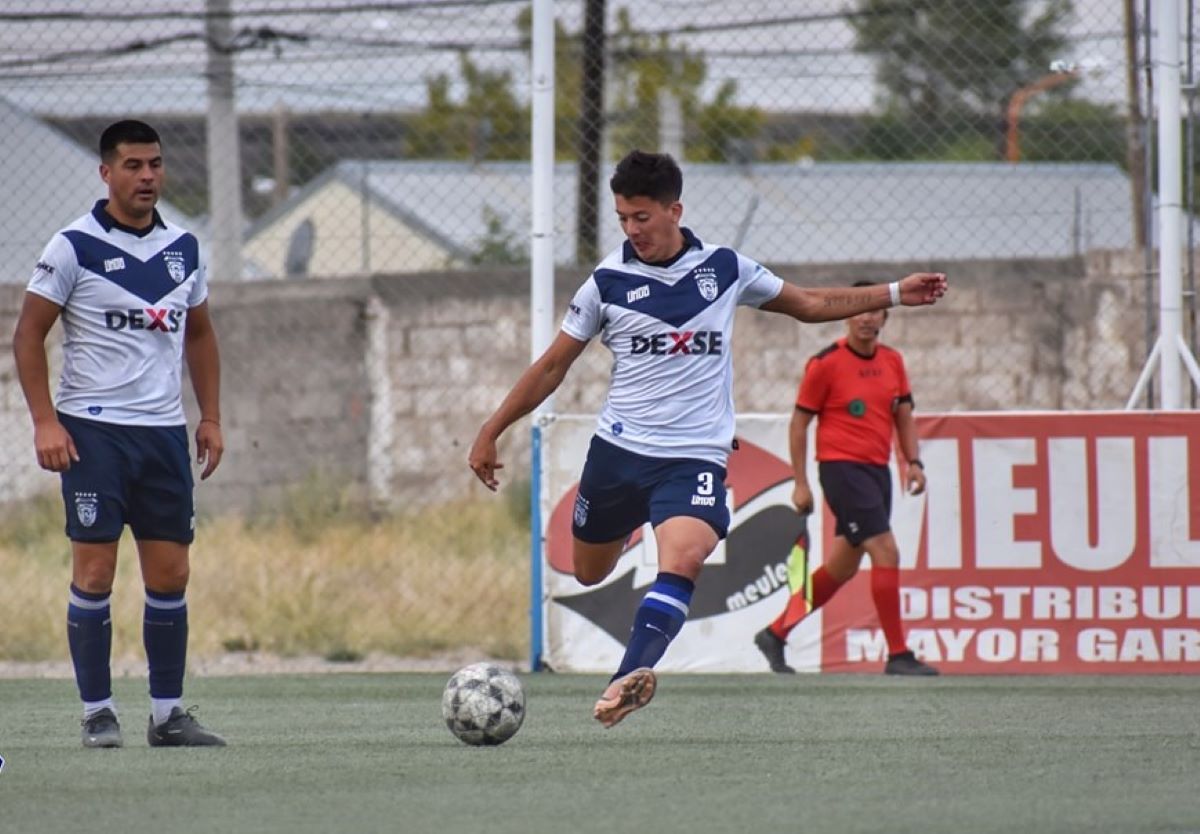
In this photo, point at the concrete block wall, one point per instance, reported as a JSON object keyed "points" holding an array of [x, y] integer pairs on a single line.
{"points": [[378, 385]]}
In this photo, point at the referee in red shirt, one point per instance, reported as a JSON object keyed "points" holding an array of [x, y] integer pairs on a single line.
{"points": [[859, 390]]}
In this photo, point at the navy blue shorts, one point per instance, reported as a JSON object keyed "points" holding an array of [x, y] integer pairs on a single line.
{"points": [[135, 475], [620, 491], [860, 495]]}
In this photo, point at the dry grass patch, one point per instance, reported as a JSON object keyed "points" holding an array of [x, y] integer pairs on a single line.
{"points": [[331, 583]]}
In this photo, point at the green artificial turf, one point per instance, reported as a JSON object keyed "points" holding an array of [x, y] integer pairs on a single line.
{"points": [[350, 753]]}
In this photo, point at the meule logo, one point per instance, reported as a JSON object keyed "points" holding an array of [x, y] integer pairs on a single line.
{"points": [[689, 343], [167, 321]]}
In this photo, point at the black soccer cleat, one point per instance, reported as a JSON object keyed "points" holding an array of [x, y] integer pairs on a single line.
{"points": [[772, 648], [906, 663], [181, 730], [101, 729]]}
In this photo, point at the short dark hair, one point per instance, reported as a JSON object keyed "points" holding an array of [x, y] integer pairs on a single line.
{"points": [[653, 175], [127, 130]]}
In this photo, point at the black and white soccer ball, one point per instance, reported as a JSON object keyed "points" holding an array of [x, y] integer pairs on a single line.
{"points": [[483, 704]]}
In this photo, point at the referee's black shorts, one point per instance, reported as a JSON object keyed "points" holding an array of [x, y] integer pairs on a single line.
{"points": [[860, 495]]}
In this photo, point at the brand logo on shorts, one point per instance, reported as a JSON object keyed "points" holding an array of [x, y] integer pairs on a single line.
{"points": [[706, 282], [86, 506], [175, 267], [581, 511]]}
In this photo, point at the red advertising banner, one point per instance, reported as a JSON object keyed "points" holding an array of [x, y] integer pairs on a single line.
{"points": [[1047, 543]]}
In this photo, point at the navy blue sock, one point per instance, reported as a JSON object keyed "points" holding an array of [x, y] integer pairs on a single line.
{"points": [[662, 613], [165, 635], [89, 634]]}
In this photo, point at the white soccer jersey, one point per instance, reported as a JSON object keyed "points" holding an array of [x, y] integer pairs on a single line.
{"points": [[125, 294], [669, 328]]}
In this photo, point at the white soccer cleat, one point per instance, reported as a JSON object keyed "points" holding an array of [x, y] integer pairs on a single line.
{"points": [[624, 695]]}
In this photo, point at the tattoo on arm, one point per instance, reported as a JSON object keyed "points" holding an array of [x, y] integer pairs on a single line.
{"points": [[841, 300]]}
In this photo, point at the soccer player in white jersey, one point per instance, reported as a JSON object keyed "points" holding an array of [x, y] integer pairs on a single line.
{"points": [[131, 290], [664, 304]]}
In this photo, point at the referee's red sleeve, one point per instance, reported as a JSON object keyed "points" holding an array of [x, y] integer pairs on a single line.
{"points": [[814, 387]]}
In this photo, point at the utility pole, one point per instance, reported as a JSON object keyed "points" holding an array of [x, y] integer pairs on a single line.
{"points": [[224, 160], [1135, 141], [591, 132], [280, 153]]}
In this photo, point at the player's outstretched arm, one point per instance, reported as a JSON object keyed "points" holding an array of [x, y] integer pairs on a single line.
{"points": [[52, 443], [539, 381], [832, 303]]}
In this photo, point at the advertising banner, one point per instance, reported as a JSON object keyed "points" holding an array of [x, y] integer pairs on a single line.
{"points": [[1046, 543]]}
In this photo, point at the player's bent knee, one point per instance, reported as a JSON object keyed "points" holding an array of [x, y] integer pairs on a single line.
{"points": [[593, 571], [592, 563], [683, 564], [589, 578]]}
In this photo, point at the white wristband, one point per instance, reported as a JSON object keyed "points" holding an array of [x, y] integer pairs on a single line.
{"points": [[894, 291]]}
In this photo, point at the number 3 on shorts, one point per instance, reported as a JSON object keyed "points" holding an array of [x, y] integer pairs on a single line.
{"points": [[706, 483]]}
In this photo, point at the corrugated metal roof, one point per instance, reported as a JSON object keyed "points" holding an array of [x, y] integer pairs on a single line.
{"points": [[793, 213]]}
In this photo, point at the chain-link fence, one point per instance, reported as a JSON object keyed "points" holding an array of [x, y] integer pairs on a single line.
{"points": [[359, 173]]}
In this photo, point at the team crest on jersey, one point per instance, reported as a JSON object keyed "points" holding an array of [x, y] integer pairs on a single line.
{"points": [[85, 508], [581, 510], [706, 282], [175, 267]]}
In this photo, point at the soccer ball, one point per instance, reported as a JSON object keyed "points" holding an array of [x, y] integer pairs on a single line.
{"points": [[483, 704]]}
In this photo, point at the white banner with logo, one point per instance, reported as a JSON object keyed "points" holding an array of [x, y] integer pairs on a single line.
{"points": [[1053, 542]]}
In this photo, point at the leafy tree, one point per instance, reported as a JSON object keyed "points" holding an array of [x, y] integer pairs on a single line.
{"points": [[643, 67], [489, 123], [939, 57], [498, 246], [1073, 131]]}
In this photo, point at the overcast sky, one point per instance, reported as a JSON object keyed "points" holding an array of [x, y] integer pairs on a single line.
{"points": [[786, 55]]}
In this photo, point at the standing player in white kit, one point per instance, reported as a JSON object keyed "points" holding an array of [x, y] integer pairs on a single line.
{"points": [[132, 292]]}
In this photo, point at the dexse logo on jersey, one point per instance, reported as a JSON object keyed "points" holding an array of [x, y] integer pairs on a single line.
{"points": [[687, 343], [151, 318]]}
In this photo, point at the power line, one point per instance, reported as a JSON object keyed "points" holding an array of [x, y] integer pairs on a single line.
{"points": [[68, 16], [244, 39]]}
